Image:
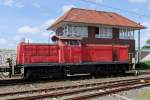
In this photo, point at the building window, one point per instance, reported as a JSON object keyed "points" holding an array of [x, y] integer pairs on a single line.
{"points": [[77, 31], [59, 31], [126, 34], [104, 32]]}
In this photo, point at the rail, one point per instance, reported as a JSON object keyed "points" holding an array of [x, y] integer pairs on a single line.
{"points": [[63, 92]]}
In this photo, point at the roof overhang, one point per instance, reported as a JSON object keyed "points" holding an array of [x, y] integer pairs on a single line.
{"points": [[63, 23]]}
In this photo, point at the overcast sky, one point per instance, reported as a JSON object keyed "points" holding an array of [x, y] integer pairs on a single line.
{"points": [[30, 18]]}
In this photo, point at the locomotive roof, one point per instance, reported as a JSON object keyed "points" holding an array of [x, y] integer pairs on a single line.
{"points": [[55, 37], [93, 17]]}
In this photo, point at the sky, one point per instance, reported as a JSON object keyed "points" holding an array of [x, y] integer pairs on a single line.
{"points": [[29, 19]]}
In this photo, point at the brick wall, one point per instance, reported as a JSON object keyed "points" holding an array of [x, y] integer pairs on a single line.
{"points": [[115, 41]]}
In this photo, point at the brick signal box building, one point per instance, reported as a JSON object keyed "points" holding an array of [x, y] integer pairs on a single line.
{"points": [[97, 27]]}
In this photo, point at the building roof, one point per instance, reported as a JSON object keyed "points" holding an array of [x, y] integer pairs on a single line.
{"points": [[85, 16]]}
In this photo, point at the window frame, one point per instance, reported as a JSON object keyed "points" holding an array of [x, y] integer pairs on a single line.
{"points": [[105, 32], [75, 30], [127, 34], [72, 43]]}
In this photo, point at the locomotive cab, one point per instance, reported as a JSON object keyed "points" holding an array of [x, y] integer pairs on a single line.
{"points": [[70, 49], [67, 41]]}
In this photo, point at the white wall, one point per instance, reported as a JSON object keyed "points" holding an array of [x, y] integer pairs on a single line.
{"points": [[7, 54]]}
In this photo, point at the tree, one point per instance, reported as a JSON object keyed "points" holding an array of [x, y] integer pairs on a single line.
{"points": [[147, 46], [148, 41]]}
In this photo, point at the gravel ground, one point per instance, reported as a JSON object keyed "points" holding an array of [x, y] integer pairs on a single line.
{"points": [[15, 88], [5, 76], [136, 94]]}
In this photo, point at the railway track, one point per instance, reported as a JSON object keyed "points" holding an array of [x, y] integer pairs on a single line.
{"points": [[78, 92], [20, 81], [11, 82]]}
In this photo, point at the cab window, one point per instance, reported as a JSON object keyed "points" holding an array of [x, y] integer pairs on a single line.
{"points": [[72, 42]]}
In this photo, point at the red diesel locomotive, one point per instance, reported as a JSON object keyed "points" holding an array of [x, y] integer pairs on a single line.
{"points": [[70, 57]]}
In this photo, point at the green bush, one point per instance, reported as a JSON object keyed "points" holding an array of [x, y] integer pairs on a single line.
{"points": [[145, 65]]}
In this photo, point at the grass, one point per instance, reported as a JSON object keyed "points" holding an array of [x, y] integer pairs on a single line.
{"points": [[145, 65]]}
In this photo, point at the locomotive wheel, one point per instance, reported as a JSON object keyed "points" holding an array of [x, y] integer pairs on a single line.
{"points": [[28, 75], [59, 76]]}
